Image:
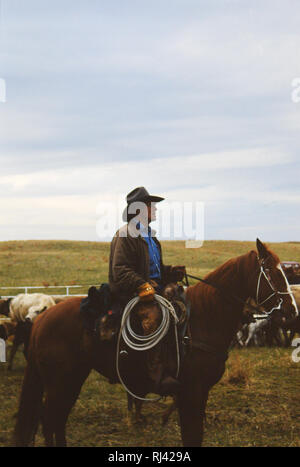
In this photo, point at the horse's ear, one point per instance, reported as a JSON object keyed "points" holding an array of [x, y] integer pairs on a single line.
{"points": [[262, 251]]}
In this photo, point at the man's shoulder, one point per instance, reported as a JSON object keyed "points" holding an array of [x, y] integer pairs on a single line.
{"points": [[125, 232], [122, 231], [131, 232], [128, 231]]}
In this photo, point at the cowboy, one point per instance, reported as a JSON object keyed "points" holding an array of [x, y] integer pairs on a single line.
{"points": [[136, 265]]}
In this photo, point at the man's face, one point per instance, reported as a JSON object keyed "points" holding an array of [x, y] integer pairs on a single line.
{"points": [[151, 212]]}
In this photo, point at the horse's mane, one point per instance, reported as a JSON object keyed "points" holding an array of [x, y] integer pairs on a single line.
{"points": [[231, 276], [222, 274]]}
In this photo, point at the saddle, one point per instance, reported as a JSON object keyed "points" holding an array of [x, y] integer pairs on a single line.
{"points": [[100, 312]]}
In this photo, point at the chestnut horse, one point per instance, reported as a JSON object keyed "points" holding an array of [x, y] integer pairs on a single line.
{"points": [[216, 312], [62, 353]]}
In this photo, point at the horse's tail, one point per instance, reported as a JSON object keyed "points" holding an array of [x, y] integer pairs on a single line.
{"points": [[30, 406]]}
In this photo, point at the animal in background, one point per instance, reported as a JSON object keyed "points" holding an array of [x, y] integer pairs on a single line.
{"points": [[25, 306], [22, 311]]}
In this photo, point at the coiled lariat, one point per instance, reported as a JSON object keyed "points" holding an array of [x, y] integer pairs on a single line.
{"points": [[141, 343]]}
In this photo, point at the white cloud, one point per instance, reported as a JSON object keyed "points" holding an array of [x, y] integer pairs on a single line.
{"points": [[71, 199], [194, 104], [172, 171]]}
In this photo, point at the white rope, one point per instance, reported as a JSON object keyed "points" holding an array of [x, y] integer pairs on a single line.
{"points": [[142, 343]]}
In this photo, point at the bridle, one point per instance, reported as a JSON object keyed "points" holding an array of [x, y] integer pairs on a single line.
{"points": [[265, 273]]}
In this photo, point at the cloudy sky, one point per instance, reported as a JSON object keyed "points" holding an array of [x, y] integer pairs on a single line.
{"points": [[196, 100]]}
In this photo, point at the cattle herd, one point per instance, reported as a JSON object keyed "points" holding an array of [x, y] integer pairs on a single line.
{"points": [[270, 330]]}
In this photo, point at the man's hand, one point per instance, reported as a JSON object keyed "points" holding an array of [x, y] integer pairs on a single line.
{"points": [[146, 292], [177, 273]]}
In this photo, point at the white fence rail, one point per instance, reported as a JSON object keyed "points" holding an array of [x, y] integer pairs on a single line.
{"points": [[26, 288]]}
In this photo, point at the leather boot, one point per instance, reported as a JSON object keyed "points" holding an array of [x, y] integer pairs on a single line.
{"points": [[164, 384]]}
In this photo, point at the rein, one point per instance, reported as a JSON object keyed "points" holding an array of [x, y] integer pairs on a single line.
{"points": [[234, 297], [221, 289]]}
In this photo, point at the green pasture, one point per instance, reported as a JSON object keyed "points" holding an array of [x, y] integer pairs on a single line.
{"points": [[50, 263]]}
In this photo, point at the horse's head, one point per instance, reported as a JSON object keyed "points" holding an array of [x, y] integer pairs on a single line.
{"points": [[272, 290]]}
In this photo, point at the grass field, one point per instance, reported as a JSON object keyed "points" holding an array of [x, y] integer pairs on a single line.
{"points": [[257, 402]]}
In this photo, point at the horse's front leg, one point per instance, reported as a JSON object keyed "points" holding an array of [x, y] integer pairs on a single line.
{"points": [[138, 407], [191, 405]]}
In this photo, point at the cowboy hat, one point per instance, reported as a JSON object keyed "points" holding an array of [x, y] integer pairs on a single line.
{"points": [[141, 195]]}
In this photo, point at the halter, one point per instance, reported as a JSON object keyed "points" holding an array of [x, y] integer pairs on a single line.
{"points": [[222, 353], [275, 291], [234, 297]]}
